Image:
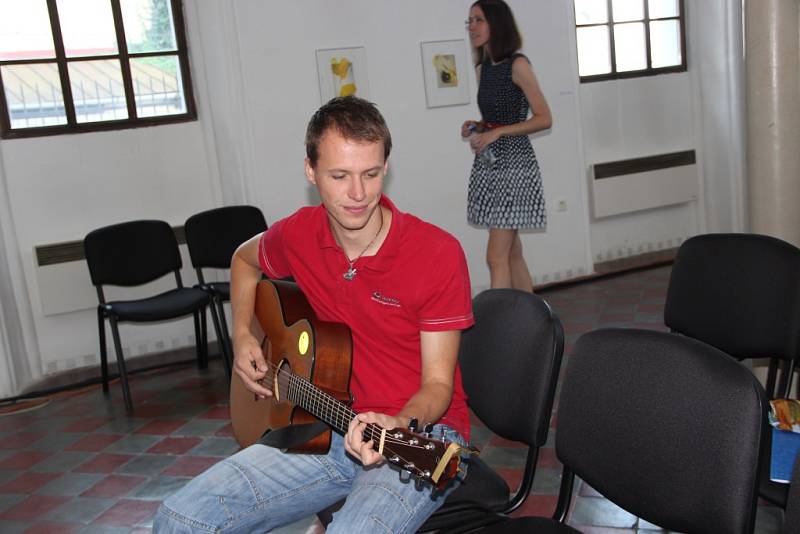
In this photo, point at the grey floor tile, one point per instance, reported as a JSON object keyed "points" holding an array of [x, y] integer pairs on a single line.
{"points": [[648, 317], [13, 527], [104, 529], [7, 501], [61, 462], [547, 481], [132, 444], [480, 436], [9, 474], [70, 484], [200, 427], [122, 425], [597, 511], [56, 442], [769, 520], [158, 488], [303, 526], [187, 410], [46, 425], [215, 447], [80, 510], [650, 527], [146, 464], [510, 457]]}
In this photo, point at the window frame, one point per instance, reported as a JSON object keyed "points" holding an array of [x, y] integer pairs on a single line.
{"points": [[124, 57], [649, 70]]}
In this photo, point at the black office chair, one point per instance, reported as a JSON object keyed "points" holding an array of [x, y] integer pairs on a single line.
{"points": [[212, 237], [667, 427], [741, 294], [130, 254], [510, 360], [791, 520]]}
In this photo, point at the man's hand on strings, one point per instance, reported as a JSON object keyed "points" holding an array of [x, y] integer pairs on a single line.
{"points": [[250, 365], [354, 439]]}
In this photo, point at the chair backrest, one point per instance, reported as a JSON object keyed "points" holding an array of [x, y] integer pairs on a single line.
{"points": [[131, 253], [213, 236], [739, 293], [667, 427], [510, 361]]}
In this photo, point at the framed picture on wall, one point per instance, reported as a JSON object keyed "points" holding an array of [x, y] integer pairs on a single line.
{"points": [[342, 72], [445, 70]]}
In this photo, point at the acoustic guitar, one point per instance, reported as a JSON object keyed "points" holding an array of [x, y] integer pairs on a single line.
{"points": [[309, 373]]}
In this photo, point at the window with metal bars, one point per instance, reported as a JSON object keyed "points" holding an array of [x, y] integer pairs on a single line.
{"points": [[71, 66], [629, 38]]}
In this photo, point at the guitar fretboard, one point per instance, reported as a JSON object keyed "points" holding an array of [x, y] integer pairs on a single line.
{"points": [[321, 405]]}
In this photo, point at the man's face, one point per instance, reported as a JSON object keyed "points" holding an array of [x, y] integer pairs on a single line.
{"points": [[349, 176]]}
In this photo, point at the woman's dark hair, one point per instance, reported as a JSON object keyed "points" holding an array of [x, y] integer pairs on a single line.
{"points": [[504, 37], [353, 118]]}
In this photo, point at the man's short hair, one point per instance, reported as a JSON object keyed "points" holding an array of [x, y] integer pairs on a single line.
{"points": [[353, 118]]}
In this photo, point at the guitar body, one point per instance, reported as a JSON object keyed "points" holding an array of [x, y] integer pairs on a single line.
{"points": [[296, 341]]}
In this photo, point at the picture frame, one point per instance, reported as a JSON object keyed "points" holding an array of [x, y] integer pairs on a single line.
{"points": [[446, 72], [342, 72]]}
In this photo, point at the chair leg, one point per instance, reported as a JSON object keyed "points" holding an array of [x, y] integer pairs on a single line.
{"points": [[786, 379], [564, 495], [223, 346], [224, 325], [204, 337], [123, 373], [101, 327], [772, 377], [198, 336]]}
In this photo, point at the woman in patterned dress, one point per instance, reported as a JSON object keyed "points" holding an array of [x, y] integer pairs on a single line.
{"points": [[505, 191]]}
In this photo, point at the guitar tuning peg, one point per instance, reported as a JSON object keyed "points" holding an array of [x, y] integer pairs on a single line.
{"points": [[418, 483], [405, 475], [413, 423], [427, 429]]}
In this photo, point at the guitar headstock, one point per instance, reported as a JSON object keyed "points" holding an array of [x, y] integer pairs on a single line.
{"points": [[427, 459]]}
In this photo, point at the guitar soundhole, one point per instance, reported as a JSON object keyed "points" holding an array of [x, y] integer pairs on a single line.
{"points": [[283, 373]]}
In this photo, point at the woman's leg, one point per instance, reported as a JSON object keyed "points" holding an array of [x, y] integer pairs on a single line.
{"points": [[498, 256], [520, 274]]}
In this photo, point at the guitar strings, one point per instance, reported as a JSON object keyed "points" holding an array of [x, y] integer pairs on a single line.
{"points": [[313, 391], [371, 432], [308, 391]]}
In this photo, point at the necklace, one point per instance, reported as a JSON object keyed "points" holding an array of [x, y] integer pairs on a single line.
{"points": [[351, 272]]}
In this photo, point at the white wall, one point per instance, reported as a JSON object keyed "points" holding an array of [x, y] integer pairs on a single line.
{"points": [[62, 187], [430, 163], [701, 109], [255, 77]]}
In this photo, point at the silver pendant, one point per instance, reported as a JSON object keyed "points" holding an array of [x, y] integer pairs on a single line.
{"points": [[350, 274]]}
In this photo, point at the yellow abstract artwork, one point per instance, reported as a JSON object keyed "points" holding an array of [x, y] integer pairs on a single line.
{"points": [[446, 74], [343, 76]]}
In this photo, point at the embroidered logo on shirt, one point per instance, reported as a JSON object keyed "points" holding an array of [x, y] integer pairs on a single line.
{"points": [[386, 301]]}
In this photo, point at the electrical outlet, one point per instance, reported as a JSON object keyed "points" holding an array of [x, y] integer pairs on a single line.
{"points": [[561, 204]]}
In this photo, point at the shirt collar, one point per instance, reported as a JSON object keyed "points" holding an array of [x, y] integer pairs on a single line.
{"points": [[381, 261]]}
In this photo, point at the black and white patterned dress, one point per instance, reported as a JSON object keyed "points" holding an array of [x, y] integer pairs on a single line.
{"points": [[507, 193]]}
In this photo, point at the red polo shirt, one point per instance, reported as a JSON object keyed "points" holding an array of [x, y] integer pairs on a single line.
{"points": [[417, 281]]}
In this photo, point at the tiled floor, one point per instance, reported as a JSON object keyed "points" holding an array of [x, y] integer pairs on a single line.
{"points": [[80, 464]]}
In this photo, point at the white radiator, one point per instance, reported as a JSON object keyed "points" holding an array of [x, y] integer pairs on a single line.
{"points": [[625, 186]]}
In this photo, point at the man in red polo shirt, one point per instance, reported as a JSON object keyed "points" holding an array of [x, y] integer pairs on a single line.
{"points": [[401, 285]]}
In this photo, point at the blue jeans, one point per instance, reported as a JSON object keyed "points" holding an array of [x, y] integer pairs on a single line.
{"points": [[261, 488]]}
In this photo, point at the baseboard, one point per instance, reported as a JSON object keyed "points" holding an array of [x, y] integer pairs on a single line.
{"points": [[81, 375], [616, 267]]}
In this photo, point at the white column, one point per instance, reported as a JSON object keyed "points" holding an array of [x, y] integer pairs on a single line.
{"points": [[772, 48], [19, 349]]}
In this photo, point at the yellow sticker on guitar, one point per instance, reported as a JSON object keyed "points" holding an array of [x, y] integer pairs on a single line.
{"points": [[302, 343]]}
